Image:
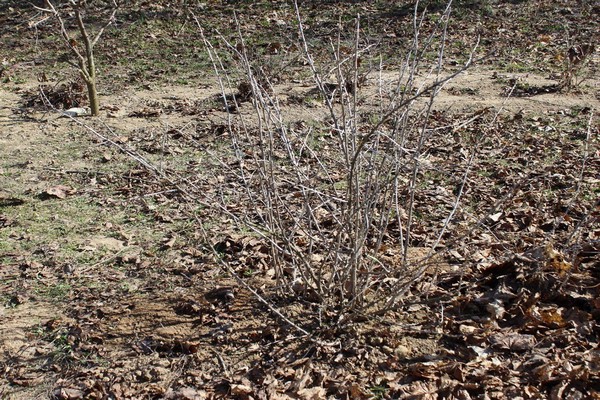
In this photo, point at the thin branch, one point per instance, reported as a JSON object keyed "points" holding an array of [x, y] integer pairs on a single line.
{"points": [[111, 20]]}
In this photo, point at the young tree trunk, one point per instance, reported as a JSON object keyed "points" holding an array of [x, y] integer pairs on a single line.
{"points": [[90, 78], [93, 97], [87, 65]]}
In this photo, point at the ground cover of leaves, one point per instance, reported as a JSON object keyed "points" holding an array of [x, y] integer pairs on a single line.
{"points": [[110, 289]]}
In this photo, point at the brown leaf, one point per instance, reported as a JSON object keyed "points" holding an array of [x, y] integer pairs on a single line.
{"points": [[314, 393], [186, 393], [146, 112], [27, 379], [356, 391], [549, 316], [274, 48], [419, 390], [423, 370], [240, 390], [513, 341], [68, 393], [58, 191], [168, 242]]}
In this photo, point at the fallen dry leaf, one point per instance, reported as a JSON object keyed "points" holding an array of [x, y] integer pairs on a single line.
{"points": [[59, 192], [314, 393]]}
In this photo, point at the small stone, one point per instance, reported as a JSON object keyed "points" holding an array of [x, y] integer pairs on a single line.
{"points": [[402, 351]]}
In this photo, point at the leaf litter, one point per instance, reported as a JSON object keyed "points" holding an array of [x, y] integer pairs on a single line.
{"points": [[510, 314]]}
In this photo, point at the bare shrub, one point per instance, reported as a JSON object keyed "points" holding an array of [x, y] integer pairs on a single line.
{"points": [[333, 197]]}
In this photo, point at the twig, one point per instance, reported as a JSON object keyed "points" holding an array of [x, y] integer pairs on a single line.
{"points": [[103, 261], [222, 363]]}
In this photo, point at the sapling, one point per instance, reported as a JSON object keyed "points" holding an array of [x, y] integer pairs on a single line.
{"points": [[84, 52]]}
